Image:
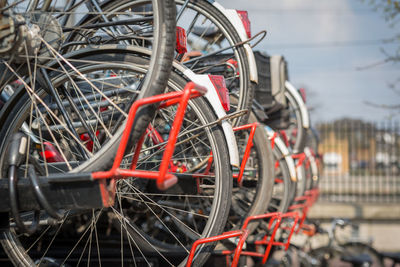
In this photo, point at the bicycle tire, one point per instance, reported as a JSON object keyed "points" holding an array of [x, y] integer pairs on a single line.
{"points": [[281, 198]]}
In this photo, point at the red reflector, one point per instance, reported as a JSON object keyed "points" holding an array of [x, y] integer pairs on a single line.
{"points": [[50, 153], [219, 83], [181, 40], [303, 94], [244, 17]]}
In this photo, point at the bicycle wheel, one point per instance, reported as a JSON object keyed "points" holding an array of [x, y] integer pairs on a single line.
{"points": [[145, 225], [296, 132], [51, 30], [208, 31], [96, 98], [253, 196]]}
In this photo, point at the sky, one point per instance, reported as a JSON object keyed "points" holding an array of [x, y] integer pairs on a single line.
{"points": [[326, 42]]}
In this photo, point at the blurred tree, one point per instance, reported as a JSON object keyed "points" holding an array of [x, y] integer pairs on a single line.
{"points": [[391, 12], [390, 9]]}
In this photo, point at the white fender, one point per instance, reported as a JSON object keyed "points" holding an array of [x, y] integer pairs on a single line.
{"points": [[285, 152], [303, 109], [213, 99], [234, 19], [313, 163], [299, 172]]}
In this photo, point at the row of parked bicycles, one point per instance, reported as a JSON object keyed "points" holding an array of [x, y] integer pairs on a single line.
{"points": [[148, 133]]}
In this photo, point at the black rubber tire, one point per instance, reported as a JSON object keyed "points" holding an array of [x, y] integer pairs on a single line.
{"points": [[263, 191], [246, 93]]}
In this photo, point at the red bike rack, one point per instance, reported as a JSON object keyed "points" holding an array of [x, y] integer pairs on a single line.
{"points": [[238, 233], [306, 201], [249, 145], [268, 240], [243, 233], [164, 180], [300, 157], [275, 223]]}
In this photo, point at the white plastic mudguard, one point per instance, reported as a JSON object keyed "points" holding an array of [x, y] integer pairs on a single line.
{"points": [[213, 99], [285, 152], [313, 163], [234, 19], [303, 109]]}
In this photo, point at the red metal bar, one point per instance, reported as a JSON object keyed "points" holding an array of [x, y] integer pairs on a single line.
{"points": [[249, 145], [163, 179], [225, 235], [294, 215], [272, 238], [239, 248], [268, 240], [303, 218], [193, 94], [154, 135], [252, 254], [162, 182], [285, 138], [310, 197], [135, 157], [273, 215], [301, 157], [273, 139]]}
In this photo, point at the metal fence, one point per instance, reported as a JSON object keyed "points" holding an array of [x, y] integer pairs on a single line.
{"points": [[361, 161]]}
